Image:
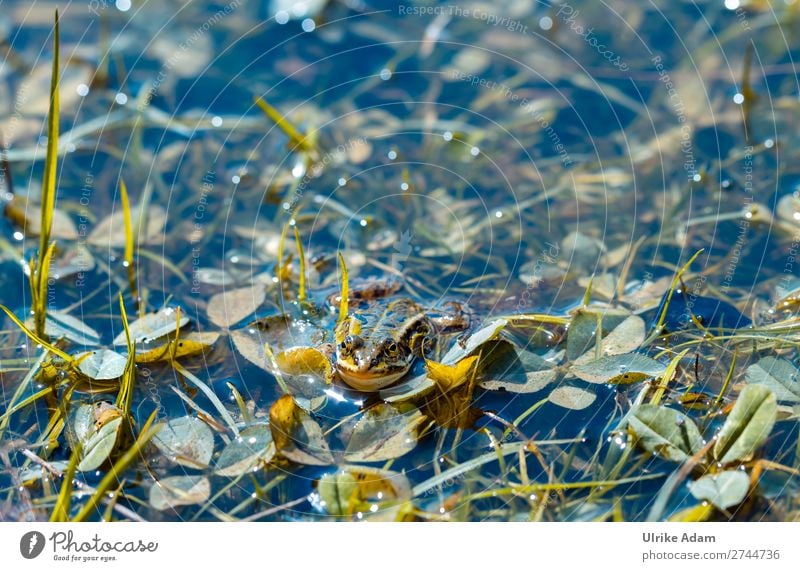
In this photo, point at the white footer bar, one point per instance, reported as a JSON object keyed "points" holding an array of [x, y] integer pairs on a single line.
{"points": [[334, 546]]}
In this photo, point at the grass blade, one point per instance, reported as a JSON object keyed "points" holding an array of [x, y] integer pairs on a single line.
{"points": [[48, 192], [298, 139], [345, 292], [61, 509], [301, 294]]}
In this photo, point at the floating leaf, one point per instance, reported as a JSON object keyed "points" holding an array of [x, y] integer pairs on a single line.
{"points": [[230, 307], [624, 338], [98, 447], [450, 377], [356, 489], [193, 343], [63, 325], [102, 365], [242, 454], [95, 427], [459, 351], [280, 332], [251, 347], [619, 369], [573, 398], [110, 232], [305, 361], [778, 375], [724, 490], [583, 252], [152, 326], [297, 436], [583, 328], [29, 216], [664, 431], [75, 260], [748, 425], [187, 441], [383, 433], [179, 491], [507, 367]]}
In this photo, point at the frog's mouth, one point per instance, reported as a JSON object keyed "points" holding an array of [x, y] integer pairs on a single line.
{"points": [[370, 381]]}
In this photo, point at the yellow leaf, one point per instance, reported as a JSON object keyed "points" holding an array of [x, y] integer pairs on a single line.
{"points": [[449, 377], [304, 361], [283, 421], [191, 344]]}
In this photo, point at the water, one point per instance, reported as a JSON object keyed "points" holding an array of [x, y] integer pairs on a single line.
{"points": [[503, 157]]}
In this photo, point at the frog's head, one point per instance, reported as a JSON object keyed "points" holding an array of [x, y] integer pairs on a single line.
{"points": [[369, 363]]}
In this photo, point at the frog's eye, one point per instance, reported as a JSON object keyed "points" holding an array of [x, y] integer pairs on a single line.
{"points": [[391, 349]]}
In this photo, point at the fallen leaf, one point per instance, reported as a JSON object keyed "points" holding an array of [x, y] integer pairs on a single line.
{"points": [[187, 441], [179, 491], [748, 425]]}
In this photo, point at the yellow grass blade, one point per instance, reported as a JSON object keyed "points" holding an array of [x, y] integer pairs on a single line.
{"points": [[301, 294], [675, 280], [125, 394], [345, 292], [61, 509], [297, 138], [126, 211], [35, 338], [48, 192]]}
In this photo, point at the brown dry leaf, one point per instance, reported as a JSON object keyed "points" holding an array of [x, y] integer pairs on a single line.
{"points": [[229, 307]]}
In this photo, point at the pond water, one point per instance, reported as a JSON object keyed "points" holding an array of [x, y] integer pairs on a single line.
{"points": [[558, 173]]}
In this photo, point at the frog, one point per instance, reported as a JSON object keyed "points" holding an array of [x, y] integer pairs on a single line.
{"points": [[378, 343]]}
